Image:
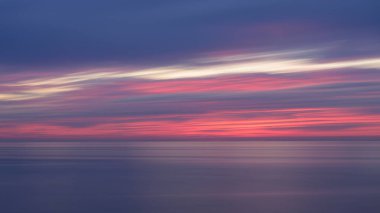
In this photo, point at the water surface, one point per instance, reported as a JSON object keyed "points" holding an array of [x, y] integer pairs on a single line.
{"points": [[190, 177]]}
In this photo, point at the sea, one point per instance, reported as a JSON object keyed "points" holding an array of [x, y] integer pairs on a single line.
{"points": [[190, 177]]}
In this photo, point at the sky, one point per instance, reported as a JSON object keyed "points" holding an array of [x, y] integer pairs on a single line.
{"points": [[189, 70]]}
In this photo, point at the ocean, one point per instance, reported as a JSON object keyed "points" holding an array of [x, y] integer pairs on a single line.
{"points": [[190, 177]]}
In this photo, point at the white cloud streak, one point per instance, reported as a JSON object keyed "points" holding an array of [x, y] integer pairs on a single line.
{"points": [[273, 63]]}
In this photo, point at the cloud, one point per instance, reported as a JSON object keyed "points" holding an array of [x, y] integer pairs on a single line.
{"points": [[122, 105], [264, 63], [184, 70]]}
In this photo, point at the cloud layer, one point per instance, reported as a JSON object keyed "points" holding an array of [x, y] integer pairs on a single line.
{"points": [[180, 70]]}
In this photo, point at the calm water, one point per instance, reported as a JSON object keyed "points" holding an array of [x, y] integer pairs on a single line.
{"points": [[190, 177]]}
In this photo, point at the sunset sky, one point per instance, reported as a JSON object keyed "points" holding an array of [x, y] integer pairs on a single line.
{"points": [[189, 70]]}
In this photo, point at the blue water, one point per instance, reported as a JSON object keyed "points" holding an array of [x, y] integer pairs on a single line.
{"points": [[190, 177]]}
